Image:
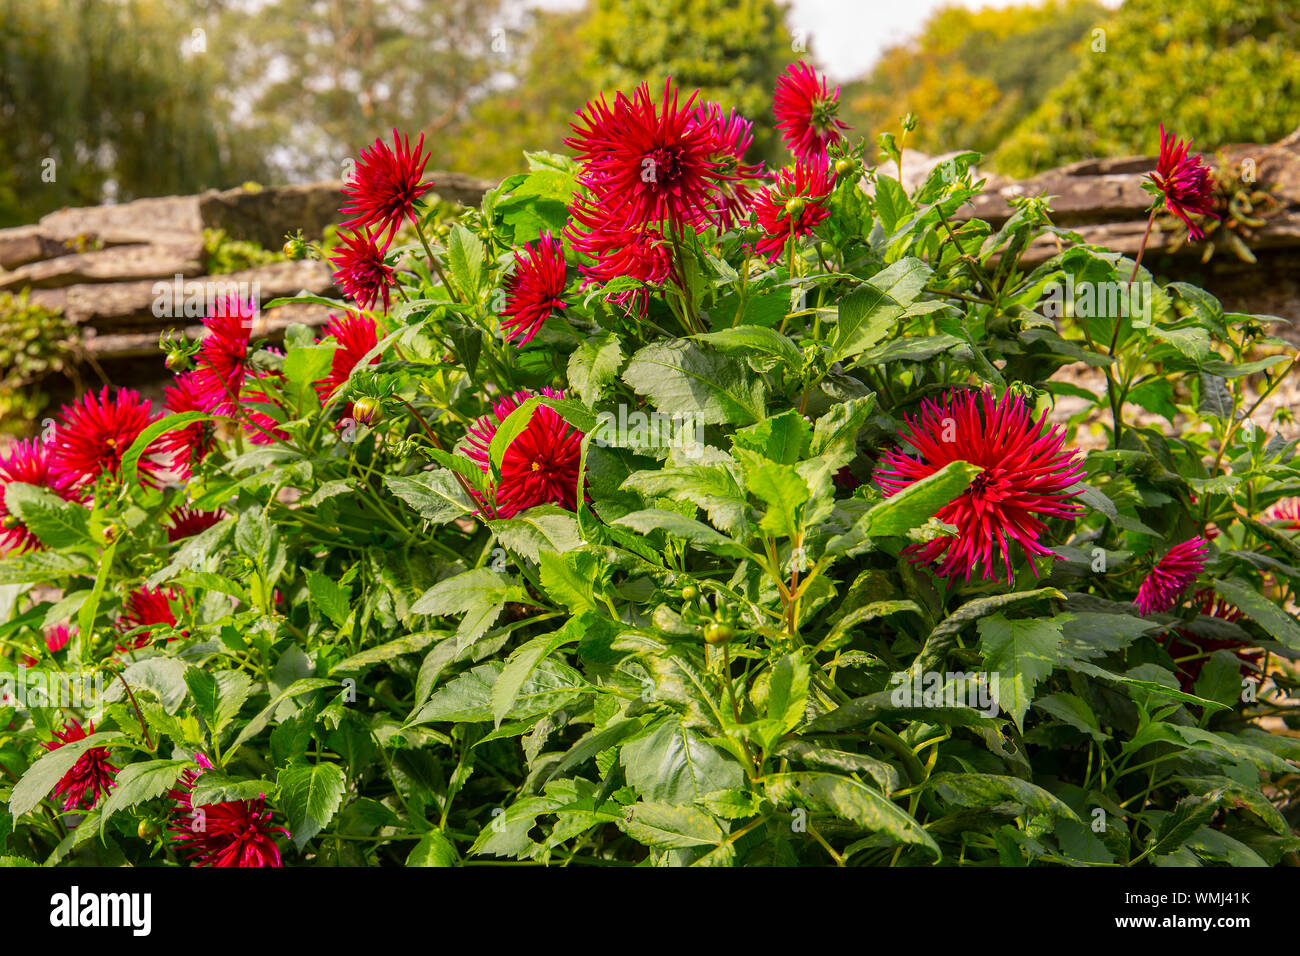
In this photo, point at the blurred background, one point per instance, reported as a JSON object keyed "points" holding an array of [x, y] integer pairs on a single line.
{"points": [[136, 98]]}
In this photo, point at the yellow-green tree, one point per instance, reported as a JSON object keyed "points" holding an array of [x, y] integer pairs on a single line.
{"points": [[971, 76], [1220, 71], [548, 82]]}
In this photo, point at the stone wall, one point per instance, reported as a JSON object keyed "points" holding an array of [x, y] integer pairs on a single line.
{"points": [[110, 292]]}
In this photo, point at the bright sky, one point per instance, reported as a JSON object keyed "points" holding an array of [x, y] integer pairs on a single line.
{"points": [[846, 36]]}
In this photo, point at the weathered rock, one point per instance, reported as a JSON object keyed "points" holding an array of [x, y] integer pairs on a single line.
{"points": [[266, 215], [270, 325], [165, 219], [163, 302], [23, 244], [115, 264]]}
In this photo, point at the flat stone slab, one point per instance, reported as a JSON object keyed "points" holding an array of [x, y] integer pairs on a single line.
{"points": [[138, 221], [270, 325], [23, 244], [167, 302], [115, 264]]}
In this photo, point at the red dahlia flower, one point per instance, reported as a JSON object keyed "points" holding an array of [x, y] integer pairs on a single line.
{"points": [[533, 290], [648, 163], [96, 430], [618, 250], [28, 462], [187, 522], [1171, 576], [222, 359], [539, 467], [191, 443], [792, 207], [56, 638], [90, 777], [805, 113], [356, 335], [1185, 182], [1190, 650], [1286, 513], [362, 272], [1028, 477], [148, 608], [233, 833], [732, 135], [386, 186], [260, 426]]}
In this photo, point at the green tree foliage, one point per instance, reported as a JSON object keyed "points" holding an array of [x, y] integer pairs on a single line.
{"points": [[732, 50], [971, 76], [1220, 71], [548, 83], [98, 97], [322, 78]]}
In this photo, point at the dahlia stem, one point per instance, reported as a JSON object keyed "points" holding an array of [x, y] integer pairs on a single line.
{"points": [[1138, 264], [433, 260], [148, 741]]}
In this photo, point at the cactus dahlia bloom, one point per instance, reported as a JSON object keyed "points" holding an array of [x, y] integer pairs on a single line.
{"points": [[189, 444], [362, 271], [539, 467], [618, 250], [187, 522], [1028, 478], [1286, 513], [1171, 576], [386, 185], [95, 431], [233, 833], [793, 206], [28, 462], [148, 608], [1185, 182], [90, 777], [648, 162], [805, 113], [222, 358], [355, 335], [732, 135], [533, 290]]}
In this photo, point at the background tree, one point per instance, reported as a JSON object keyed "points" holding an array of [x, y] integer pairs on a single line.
{"points": [[322, 78], [531, 110], [971, 76], [103, 99], [733, 50], [1219, 71]]}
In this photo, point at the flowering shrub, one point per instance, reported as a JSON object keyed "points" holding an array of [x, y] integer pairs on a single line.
{"points": [[668, 509]]}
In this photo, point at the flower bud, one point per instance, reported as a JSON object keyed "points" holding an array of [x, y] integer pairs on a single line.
{"points": [[718, 632], [367, 410]]}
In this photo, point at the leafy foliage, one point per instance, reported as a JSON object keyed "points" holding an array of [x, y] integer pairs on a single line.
{"points": [[723, 650]]}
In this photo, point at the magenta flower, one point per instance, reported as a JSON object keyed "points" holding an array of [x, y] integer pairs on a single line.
{"points": [[805, 113], [386, 186], [533, 290], [1028, 477], [91, 777], [1184, 181], [1171, 576]]}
